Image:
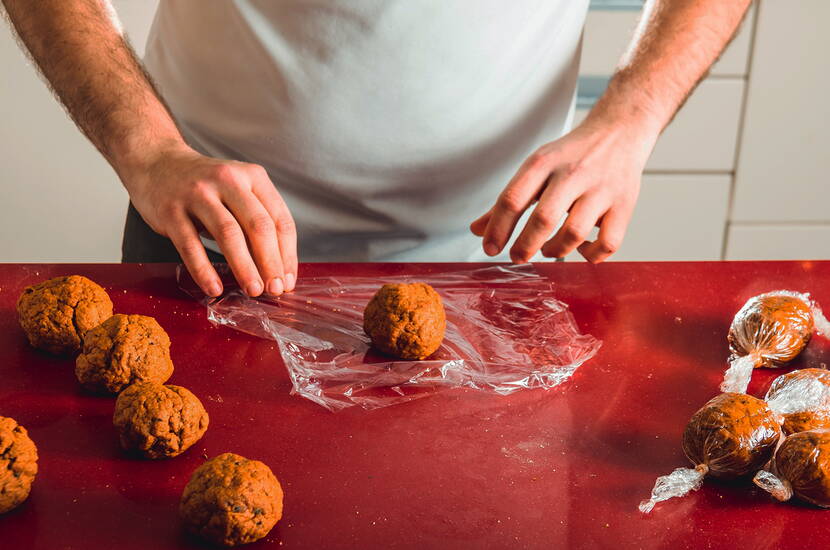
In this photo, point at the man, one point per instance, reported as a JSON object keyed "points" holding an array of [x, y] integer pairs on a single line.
{"points": [[367, 129]]}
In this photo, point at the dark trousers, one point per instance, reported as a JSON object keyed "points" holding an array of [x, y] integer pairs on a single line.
{"points": [[143, 245]]}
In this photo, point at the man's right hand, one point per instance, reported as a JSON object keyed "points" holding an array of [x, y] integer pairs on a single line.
{"points": [[181, 193]]}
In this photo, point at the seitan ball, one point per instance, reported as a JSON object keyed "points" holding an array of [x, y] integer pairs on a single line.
{"points": [[159, 421], [775, 327], [18, 464], [803, 463], [122, 350], [405, 320], [231, 500], [733, 434], [56, 313]]}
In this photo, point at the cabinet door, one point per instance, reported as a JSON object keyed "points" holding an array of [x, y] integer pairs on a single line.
{"points": [[778, 242], [678, 217], [783, 160]]}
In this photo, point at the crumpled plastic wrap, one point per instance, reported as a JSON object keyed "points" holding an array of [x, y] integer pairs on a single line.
{"points": [[801, 468], [769, 330], [801, 398], [505, 332], [732, 435]]}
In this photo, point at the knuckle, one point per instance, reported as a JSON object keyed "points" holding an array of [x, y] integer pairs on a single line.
{"points": [[228, 229], [261, 225], [573, 233], [538, 160], [286, 225], [510, 202], [541, 220], [223, 172], [200, 190], [190, 249], [257, 171]]}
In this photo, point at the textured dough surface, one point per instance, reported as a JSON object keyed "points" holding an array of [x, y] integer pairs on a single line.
{"points": [[18, 464], [159, 421], [734, 434], [122, 350], [56, 313], [231, 500], [405, 320]]}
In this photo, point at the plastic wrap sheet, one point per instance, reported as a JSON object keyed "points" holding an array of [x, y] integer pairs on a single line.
{"points": [[802, 399], [505, 332]]}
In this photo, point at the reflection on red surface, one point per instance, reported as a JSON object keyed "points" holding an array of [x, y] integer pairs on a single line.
{"points": [[463, 469]]}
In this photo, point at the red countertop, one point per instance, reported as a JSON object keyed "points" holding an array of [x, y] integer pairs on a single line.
{"points": [[462, 469]]}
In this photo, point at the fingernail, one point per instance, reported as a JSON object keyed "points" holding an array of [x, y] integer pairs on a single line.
{"points": [[289, 282], [275, 286], [255, 288], [214, 289], [490, 249]]}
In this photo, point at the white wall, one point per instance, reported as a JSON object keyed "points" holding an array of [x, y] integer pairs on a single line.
{"points": [[766, 120], [61, 201]]}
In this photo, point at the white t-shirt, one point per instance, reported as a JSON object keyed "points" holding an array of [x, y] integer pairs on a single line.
{"points": [[386, 125]]}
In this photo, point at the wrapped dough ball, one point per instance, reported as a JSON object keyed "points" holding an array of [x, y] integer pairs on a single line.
{"points": [[159, 421], [730, 436], [18, 464], [56, 313], [231, 500], [122, 350], [802, 399], [802, 468], [405, 320], [769, 330]]}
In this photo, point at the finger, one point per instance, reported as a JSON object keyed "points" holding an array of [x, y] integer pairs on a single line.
{"points": [[514, 200], [558, 196], [284, 224], [611, 233], [260, 234], [480, 224], [185, 238], [577, 226], [228, 234]]}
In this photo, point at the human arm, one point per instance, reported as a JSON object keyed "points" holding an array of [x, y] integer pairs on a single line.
{"points": [[93, 71], [593, 173]]}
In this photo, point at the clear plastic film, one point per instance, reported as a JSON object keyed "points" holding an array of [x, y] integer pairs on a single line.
{"points": [[801, 399], [505, 332], [769, 330], [801, 468], [731, 436]]}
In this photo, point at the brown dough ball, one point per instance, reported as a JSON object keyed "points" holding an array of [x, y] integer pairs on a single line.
{"points": [[18, 464], [734, 434], [803, 461], [774, 326], [405, 320], [231, 500], [159, 421], [56, 313], [802, 397], [122, 350]]}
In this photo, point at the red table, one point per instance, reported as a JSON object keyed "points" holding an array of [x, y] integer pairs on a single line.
{"points": [[536, 469]]}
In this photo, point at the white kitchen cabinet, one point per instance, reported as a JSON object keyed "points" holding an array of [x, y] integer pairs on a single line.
{"points": [[778, 242], [608, 33], [783, 164], [703, 135], [678, 217]]}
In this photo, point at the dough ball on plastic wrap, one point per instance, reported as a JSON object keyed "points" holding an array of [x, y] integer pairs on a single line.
{"points": [[733, 435], [159, 421], [56, 313], [18, 464], [405, 320], [802, 398], [231, 500], [122, 350], [774, 327], [802, 468]]}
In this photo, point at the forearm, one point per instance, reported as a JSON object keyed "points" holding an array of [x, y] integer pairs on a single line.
{"points": [[675, 44], [95, 74]]}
